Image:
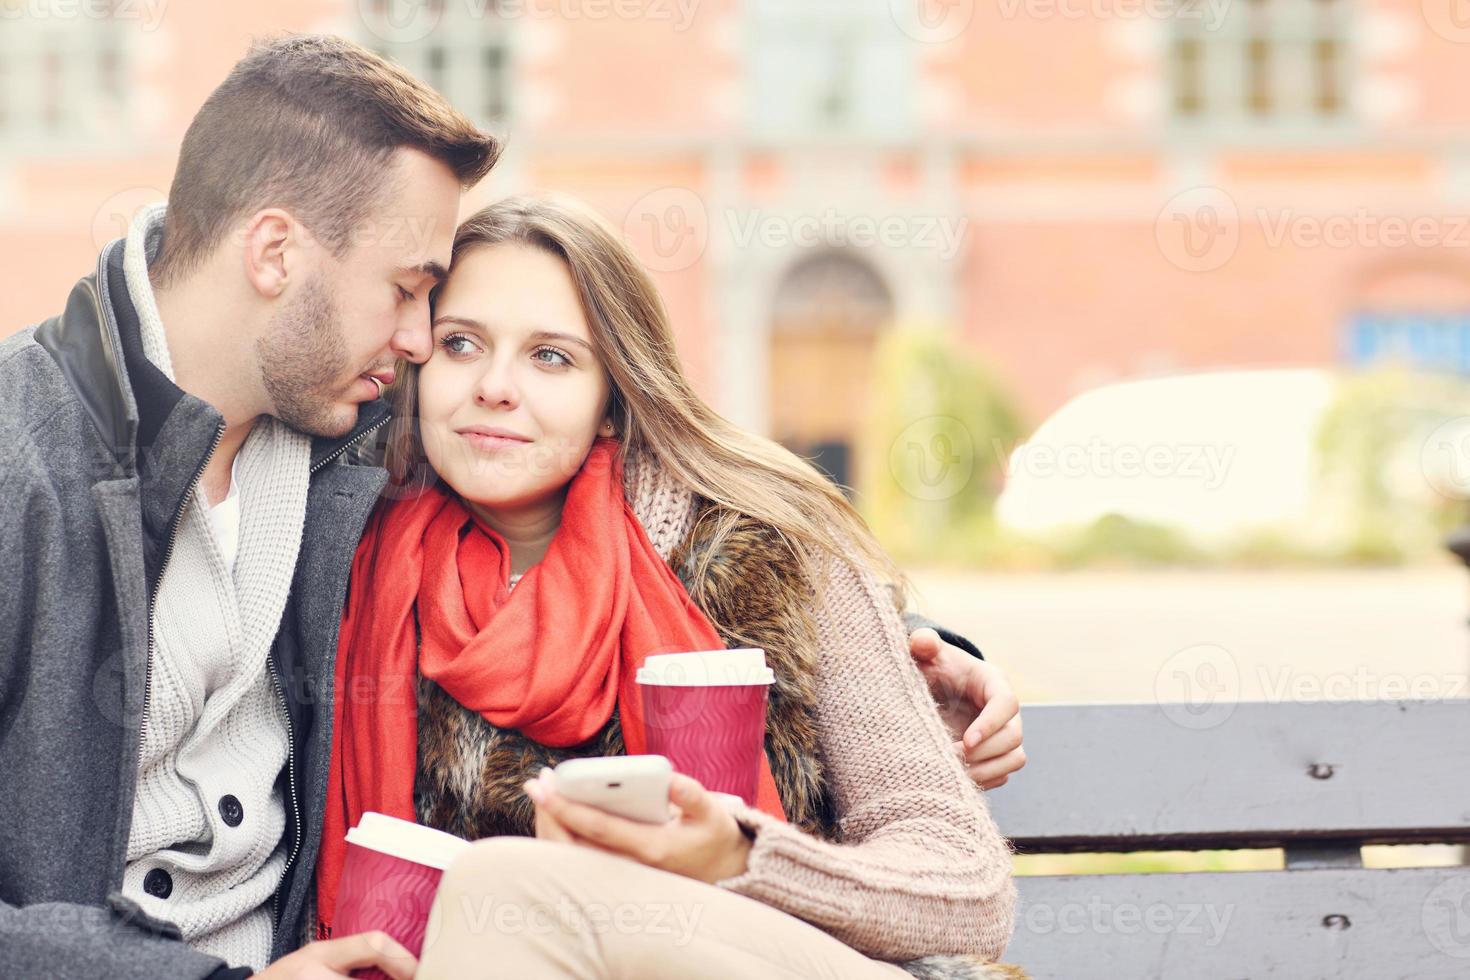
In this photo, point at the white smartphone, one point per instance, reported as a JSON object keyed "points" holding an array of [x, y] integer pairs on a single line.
{"points": [[631, 786]]}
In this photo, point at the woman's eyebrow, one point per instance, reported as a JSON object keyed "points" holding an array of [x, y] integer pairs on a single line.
{"points": [[459, 321], [552, 335]]}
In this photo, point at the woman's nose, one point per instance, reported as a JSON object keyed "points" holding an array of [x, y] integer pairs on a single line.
{"points": [[497, 387]]}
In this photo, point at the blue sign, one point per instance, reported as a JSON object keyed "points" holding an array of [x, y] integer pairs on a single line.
{"points": [[1428, 341]]}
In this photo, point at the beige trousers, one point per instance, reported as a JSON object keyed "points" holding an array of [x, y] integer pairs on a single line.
{"points": [[526, 909]]}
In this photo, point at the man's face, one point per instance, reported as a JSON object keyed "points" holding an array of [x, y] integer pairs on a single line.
{"points": [[351, 318]]}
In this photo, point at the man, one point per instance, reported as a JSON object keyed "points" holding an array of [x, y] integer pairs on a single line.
{"points": [[177, 521]]}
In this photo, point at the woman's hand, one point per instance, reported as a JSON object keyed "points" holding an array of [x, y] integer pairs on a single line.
{"points": [[978, 705], [701, 840]]}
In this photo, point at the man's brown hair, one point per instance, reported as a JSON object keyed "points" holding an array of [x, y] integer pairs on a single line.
{"points": [[306, 122]]}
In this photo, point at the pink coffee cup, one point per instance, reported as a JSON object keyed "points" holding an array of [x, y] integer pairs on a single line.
{"points": [[706, 712], [389, 880]]}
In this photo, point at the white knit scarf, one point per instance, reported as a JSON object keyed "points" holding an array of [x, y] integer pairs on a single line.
{"points": [[215, 727]]}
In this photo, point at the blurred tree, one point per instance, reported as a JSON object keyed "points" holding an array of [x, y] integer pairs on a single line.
{"points": [[933, 450], [1393, 460]]}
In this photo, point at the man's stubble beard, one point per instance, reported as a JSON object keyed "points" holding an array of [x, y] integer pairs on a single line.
{"points": [[302, 359]]}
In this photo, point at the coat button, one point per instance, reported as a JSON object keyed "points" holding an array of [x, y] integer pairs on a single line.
{"points": [[231, 810], [158, 883]]}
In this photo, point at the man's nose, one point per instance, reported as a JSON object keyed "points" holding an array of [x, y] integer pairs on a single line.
{"points": [[414, 342]]}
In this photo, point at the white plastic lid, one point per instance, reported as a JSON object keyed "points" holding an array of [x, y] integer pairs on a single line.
{"points": [[707, 668], [404, 839]]}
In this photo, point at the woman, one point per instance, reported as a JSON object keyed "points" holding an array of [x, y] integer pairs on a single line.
{"points": [[569, 507]]}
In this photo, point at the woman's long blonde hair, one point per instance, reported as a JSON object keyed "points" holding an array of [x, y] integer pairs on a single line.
{"points": [[654, 408]]}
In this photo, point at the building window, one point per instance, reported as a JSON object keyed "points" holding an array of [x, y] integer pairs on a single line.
{"points": [[1260, 62], [464, 52], [828, 67], [63, 83]]}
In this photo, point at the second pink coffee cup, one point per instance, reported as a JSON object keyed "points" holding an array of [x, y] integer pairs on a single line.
{"points": [[706, 712]]}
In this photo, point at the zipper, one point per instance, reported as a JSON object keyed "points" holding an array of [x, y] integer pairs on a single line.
{"points": [[351, 441], [168, 550], [290, 786], [299, 834]]}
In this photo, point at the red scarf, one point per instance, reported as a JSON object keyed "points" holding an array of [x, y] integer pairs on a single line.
{"points": [[551, 658]]}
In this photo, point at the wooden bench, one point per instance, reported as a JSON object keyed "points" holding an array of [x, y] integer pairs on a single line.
{"points": [[1317, 779]]}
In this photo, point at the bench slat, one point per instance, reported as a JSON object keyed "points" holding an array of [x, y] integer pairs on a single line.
{"points": [[1137, 776], [1295, 925]]}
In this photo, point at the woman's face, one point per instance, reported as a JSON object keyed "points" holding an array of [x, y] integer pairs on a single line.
{"points": [[511, 399]]}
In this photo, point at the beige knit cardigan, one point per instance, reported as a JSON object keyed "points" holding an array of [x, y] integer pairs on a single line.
{"points": [[921, 868]]}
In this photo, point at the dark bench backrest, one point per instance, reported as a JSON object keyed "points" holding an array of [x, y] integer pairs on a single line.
{"points": [[1319, 779]]}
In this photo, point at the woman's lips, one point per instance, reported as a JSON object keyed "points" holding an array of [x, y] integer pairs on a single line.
{"points": [[487, 443]]}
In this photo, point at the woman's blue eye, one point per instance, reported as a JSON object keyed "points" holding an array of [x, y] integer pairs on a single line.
{"points": [[451, 340], [564, 357]]}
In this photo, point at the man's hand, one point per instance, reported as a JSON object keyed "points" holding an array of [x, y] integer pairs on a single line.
{"points": [[335, 959], [978, 705]]}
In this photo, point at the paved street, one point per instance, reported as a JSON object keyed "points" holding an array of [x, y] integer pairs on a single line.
{"points": [[1307, 635]]}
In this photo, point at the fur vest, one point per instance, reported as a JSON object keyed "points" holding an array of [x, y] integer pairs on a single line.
{"points": [[470, 772]]}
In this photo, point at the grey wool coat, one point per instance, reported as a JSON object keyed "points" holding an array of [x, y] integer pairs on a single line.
{"points": [[98, 451]]}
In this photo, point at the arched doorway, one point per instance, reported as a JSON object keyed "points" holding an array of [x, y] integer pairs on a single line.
{"points": [[828, 311]]}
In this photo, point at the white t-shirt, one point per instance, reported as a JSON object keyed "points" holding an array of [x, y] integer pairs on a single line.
{"points": [[224, 520]]}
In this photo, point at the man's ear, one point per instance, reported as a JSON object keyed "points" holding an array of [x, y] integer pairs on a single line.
{"points": [[270, 236]]}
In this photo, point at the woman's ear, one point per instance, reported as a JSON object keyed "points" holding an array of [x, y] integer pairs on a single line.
{"points": [[607, 429]]}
